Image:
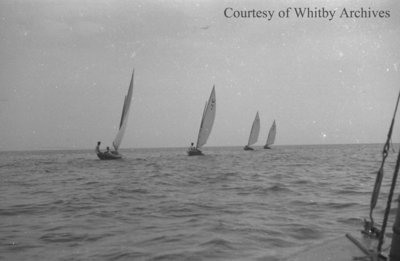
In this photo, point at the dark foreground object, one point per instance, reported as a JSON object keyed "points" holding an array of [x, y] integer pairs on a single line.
{"points": [[339, 249]]}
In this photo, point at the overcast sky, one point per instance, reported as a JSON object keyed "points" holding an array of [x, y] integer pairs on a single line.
{"points": [[66, 67]]}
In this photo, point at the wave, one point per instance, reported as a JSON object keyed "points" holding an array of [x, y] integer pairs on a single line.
{"points": [[162, 205]]}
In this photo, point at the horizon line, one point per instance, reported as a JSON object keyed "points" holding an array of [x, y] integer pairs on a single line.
{"points": [[170, 147]]}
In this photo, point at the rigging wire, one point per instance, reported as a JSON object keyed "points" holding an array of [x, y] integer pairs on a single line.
{"points": [[379, 176], [389, 201]]}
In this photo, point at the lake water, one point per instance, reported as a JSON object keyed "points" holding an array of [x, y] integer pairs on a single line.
{"points": [[159, 204]]}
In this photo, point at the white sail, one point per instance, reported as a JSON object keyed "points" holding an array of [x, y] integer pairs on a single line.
{"points": [[208, 120], [255, 130], [271, 135], [124, 116]]}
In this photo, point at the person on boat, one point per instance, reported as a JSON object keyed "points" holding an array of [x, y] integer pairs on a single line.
{"points": [[98, 147], [192, 147], [108, 150]]}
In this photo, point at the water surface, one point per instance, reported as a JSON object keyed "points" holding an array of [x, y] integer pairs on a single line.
{"points": [[159, 204]]}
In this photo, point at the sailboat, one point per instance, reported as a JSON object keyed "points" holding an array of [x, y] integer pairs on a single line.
{"points": [[206, 125], [255, 130], [271, 136], [122, 126]]}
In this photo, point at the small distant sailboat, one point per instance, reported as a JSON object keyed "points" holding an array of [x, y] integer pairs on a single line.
{"points": [[206, 125], [255, 130], [271, 136], [122, 126]]}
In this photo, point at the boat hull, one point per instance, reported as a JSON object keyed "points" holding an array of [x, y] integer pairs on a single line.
{"points": [[248, 148], [195, 152], [108, 156], [267, 147]]}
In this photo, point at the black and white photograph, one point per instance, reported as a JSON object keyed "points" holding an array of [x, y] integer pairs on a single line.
{"points": [[261, 130]]}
